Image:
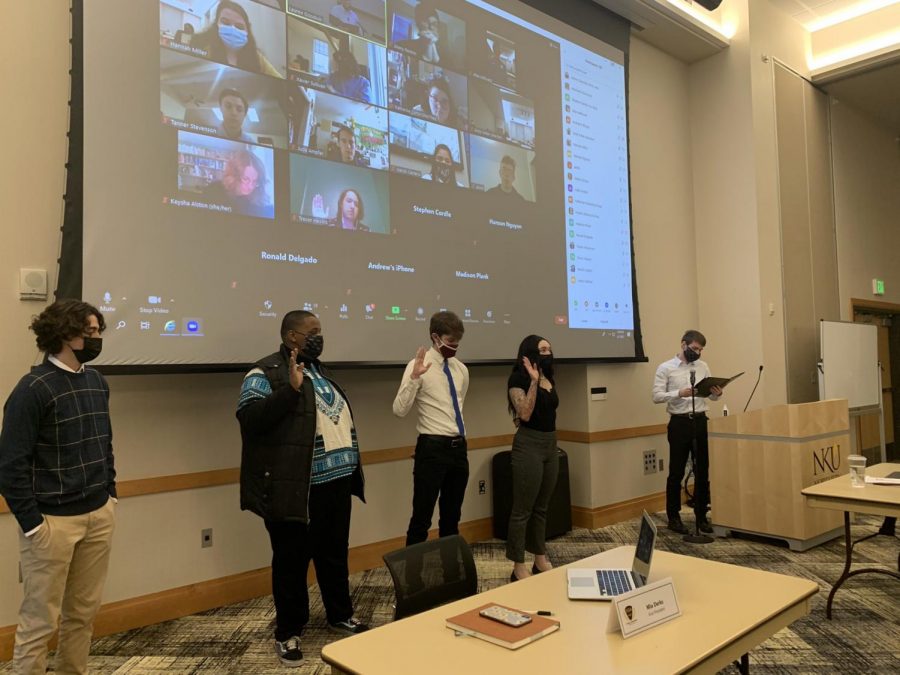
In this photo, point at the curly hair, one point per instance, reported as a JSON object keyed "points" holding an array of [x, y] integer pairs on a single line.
{"points": [[61, 322], [234, 172]]}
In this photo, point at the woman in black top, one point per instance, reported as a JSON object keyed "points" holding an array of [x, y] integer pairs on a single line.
{"points": [[535, 465]]}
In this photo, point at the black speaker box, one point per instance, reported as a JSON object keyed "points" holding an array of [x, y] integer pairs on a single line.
{"points": [[559, 511]]}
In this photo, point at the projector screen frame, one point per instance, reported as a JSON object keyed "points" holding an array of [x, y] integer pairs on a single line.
{"points": [[70, 262]]}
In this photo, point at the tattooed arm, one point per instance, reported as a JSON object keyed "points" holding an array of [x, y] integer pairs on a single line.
{"points": [[523, 401]]}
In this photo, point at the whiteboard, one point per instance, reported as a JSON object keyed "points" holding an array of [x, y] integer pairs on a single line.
{"points": [[849, 363]]}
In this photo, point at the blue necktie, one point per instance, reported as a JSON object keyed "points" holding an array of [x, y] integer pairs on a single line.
{"points": [[459, 421]]}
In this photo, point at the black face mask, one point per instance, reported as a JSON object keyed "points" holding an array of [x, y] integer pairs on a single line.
{"points": [[314, 346], [441, 172], [690, 355], [446, 350], [546, 362], [90, 351]]}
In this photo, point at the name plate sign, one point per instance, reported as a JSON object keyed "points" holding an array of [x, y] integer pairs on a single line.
{"points": [[644, 608]]}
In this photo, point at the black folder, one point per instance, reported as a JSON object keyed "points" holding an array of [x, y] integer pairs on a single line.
{"points": [[703, 386]]}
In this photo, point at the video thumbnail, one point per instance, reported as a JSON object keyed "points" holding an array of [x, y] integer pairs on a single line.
{"points": [[210, 98], [427, 33], [342, 64], [225, 176], [493, 57], [504, 171], [238, 33], [427, 150], [338, 129], [339, 196], [364, 18], [500, 114], [427, 90]]}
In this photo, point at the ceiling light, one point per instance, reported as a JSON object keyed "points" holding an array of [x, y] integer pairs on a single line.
{"points": [[853, 11]]}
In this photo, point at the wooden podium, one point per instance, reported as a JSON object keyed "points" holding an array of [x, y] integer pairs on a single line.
{"points": [[760, 461]]}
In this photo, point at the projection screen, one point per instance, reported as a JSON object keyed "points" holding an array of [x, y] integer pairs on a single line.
{"points": [[371, 161]]}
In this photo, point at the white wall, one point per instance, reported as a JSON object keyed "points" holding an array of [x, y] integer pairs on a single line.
{"points": [[662, 200], [728, 275], [774, 37], [867, 205], [31, 188]]}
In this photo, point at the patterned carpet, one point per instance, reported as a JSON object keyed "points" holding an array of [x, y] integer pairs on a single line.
{"points": [[864, 636]]}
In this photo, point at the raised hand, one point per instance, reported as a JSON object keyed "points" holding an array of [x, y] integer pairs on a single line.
{"points": [[295, 371], [419, 366], [319, 210], [531, 369]]}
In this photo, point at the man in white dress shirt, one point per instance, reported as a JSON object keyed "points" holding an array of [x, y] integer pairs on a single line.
{"points": [[436, 382], [687, 420]]}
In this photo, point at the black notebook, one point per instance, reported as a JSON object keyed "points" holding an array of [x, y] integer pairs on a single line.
{"points": [[703, 386]]}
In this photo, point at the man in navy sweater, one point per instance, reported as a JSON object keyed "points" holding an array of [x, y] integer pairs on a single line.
{"points": [[59, 480]]}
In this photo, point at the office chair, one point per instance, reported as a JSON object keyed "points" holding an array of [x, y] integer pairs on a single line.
{"points": [[430, 574]]}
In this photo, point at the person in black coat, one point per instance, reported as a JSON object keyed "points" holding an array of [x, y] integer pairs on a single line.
{"points": [[299, 467]]}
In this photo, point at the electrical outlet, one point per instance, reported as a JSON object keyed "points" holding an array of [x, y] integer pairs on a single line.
{"points": [[482, 487], [649, 462], [660, 464], [206, 538]]}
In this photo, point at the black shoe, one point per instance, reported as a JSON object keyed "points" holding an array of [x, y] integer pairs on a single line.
{"points": [[513, 577], [704, 525], [289, 652], [676, 525], [535, 569], [349, 627]]}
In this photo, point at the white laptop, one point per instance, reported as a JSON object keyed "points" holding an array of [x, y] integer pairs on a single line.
{"points": [[605, 584]]}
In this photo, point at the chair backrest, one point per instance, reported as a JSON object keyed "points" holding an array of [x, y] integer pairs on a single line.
{"points": [[431, 573]]}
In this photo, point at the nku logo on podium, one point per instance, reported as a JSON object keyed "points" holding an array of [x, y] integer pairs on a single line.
{"points": [[827, 459]]}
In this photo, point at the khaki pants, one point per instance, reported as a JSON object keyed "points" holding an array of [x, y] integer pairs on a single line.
{"points": [[64, 566]]}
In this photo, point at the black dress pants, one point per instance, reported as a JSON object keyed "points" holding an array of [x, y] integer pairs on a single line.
{"points": [[324, 540], [440, 474], [681, 434]]}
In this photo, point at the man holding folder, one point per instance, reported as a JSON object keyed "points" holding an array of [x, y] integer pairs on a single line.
{"points": [[674, 385]]}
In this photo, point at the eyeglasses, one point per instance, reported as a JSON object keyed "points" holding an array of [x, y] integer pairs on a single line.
{"points": [[440, 100]]}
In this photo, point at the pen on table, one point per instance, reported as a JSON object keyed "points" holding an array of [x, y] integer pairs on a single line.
{"points": [[539, 612]]}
